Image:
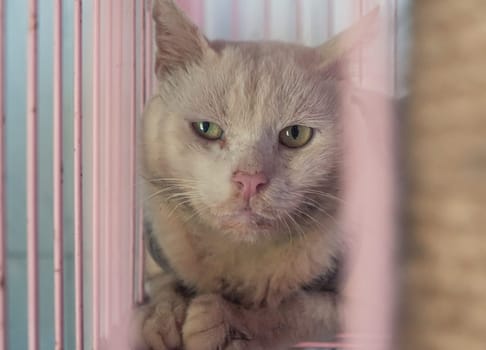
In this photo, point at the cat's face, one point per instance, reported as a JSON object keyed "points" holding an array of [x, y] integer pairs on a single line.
{"points": [[242, 137]]}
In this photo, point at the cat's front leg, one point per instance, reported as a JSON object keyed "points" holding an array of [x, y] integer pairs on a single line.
{"points": [[212, 323], [161, 318]]}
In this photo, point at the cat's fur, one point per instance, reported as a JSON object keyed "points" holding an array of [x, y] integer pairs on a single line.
{"points": [[227, 283]]}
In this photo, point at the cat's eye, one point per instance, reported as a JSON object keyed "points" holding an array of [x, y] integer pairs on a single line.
{"points": [[295, 136], [208, 130]]}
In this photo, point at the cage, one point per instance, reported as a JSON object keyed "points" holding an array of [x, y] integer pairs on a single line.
{"points": [[75, 76]]}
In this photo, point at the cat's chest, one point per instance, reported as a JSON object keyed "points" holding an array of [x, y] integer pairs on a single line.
{"points": [[259, 274]]}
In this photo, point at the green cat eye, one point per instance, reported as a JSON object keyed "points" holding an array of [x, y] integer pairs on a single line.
{"points": [[208, 130], [295, 136]]}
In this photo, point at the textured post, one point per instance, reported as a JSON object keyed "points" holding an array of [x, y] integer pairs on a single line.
{"points": [[446, 151]]}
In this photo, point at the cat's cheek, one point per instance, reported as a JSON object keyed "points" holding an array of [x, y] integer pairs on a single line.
{"points": [[214, 183]]}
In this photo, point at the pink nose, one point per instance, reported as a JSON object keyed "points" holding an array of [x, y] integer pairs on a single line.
{"points": [[248, 184]]}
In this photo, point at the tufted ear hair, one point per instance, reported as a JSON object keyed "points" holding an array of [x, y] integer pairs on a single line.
{"points": [[337, 52], [179, 42]]}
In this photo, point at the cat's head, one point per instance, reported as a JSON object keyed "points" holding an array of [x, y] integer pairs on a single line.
{"points": [[243, 137]]}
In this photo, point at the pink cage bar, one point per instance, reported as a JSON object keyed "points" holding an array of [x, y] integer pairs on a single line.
{"points": [[107, 219], [3, 226]]}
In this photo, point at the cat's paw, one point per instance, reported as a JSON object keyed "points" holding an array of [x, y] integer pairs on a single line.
{"points": [[161, 327], [212, 324]]}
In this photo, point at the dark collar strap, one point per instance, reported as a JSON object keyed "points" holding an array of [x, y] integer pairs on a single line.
{"points": [[154, 249]]}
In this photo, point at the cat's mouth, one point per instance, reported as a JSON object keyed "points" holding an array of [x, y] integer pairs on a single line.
{"points": [[245, 217]]}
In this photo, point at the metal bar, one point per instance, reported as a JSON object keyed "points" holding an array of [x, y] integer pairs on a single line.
{"points": [[360, 57], [32, 181], [298, 20], [330, 18], [395, 50], [133, 145], [107, 191], [78, 175], [235, 20], [3, 225], [143, 99], [267, 8], [324, 346], [117, 118], [197, 10], [58, 180], [150, 54], [95, 168]]}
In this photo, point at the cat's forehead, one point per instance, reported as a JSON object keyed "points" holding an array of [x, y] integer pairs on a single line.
{"points": [[265, 60], [261, 82]]}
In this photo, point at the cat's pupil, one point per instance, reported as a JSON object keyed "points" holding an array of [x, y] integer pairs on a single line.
{"points": [[295, 131], [205, 126]]}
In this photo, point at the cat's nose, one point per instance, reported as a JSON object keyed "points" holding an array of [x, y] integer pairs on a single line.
{"points": [[249, 184]]}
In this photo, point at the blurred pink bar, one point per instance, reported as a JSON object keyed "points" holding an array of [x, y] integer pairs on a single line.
{"points": [[3, 225], [118, 167], [143, 55], [326, 346], [360, 65], [298, 20], [395, 48], [143, 99], [32, 184], [57, 178], [95, 168], [195, 10], [267, 7], [108, 92], [150, 52], [330, 17], [133, 144], [78, 176], [235, 20], [369, 198]]}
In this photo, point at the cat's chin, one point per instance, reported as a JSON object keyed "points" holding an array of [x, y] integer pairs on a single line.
{"points": [[245, 225]]}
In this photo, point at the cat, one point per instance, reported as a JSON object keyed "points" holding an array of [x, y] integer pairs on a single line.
{"points": [[241, 161]]}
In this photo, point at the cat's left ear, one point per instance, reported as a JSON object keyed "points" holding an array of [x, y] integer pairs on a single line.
{"points": [[337, 53], [179, 42]]}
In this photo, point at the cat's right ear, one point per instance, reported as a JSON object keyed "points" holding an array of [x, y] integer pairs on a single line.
{"points": [[337, 53], [179, 42]]}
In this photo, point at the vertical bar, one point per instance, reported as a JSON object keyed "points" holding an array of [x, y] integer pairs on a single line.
{"points": [[298, 20], [107, 185], [360, 57], [235, 20], [395, 49], [267, 8], [32, 184], [133, 145], [117, 118], [197, 10], [57, 178], [106, 66], [150, 54], [143, 99], [143, 60], [330, 18], [78, 175], [3, 226], [95, 231]]}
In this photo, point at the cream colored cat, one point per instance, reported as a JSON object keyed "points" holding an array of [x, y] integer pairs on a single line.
{"points": [[241, 168]]}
